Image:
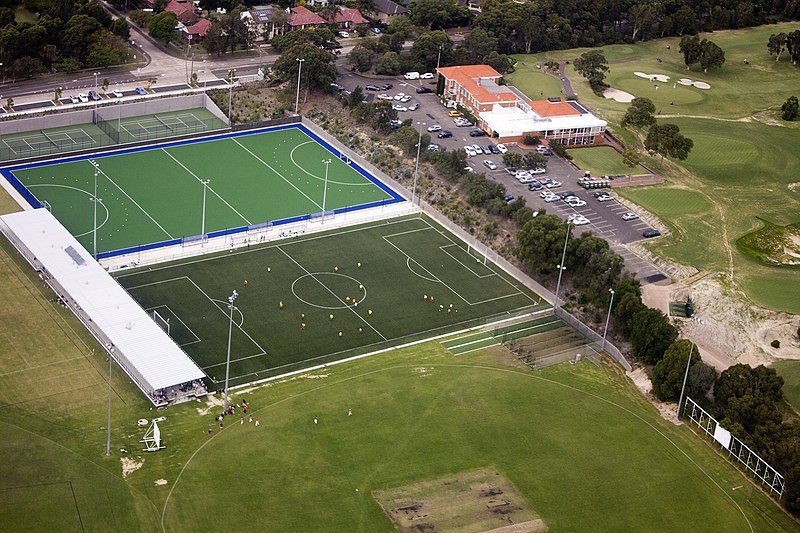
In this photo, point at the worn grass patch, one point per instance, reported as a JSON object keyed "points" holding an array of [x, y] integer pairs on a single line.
{"points": [[773, 244], [473, 501]]}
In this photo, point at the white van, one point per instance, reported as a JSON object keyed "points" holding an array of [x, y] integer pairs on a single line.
{"points": [[411, 75]]}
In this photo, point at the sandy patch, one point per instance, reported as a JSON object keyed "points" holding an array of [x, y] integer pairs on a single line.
{"points": [[129, 465], [160, 482], [657, 297], [641, 74], [668, 411], [421, 370], [211, 402], [794, 187], [618, 95], [661, 77], [701, 85], [685, 81]]}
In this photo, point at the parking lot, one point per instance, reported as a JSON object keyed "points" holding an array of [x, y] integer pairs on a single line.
{"points": [[605, 218]]}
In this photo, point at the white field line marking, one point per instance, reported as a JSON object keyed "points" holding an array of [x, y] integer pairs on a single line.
{"points": [[434, 279], [333, 293], [276, 172], [468, 267], [135, 203], [536, 326], [260, 248], [224, 201], [365, 183], [42, 366], [179, 320], [17, 351]]}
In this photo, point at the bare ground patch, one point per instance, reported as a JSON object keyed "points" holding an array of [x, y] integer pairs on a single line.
{"points": [[129, 465], [482, 500]]}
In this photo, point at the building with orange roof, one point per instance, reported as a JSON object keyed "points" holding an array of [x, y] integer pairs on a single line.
{"points": [[506, 114]]}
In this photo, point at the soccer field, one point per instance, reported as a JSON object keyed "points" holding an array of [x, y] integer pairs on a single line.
{"points": [[306, 301], [157, 194]]}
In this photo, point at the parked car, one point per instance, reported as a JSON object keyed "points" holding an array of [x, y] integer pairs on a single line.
{"points": [[509, 198], [74, 99], [470, 151], [116, 93], [535, 185], [405, 99], [384, 97], [386, 86], [650, 233], [550, 198], [424, 90], [489, 164], [477, 133], [338, 87], [604, 197], [630, 216], [454, 113], [94, 96], [527, 179], [545, 194], [433, 147], [434, 127], [494, 149], [344, 35], [140, 90], [376, 31], [426, 76], [444, 134], [398, 107], [398, 96], [552, 184], [411, 75], [538, 171], [462, 122], [566, 194], [83, 98], [574, 201], [511, 170], [477, 148], [468, 169], [372, 88], [502, 148], [581, 220]]}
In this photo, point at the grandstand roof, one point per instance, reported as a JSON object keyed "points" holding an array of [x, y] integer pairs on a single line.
{"points": [[144, 350]]}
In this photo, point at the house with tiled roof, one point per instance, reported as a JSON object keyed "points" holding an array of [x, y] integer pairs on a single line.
{"points": [[197, 31], [185, 11], [262, 20], [508, 115], [347, 18], [386, 10], [301, 18]]}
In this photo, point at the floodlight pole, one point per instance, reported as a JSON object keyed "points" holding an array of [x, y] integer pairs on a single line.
{"points": [[110, 392], [94, 210], [297, 98], [203, 223], [608, 317], [561, 267], [231, 299], [686, 374], [416, 166], [325, 189], [230, 100]]}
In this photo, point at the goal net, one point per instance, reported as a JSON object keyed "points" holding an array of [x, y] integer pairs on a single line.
{"points": [[161, 321]]}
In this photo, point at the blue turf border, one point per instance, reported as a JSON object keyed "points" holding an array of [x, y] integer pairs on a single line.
{"points": [[395, 197]]}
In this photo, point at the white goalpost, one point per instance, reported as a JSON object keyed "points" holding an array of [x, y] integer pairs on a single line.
{"points": [[152, 438], [160, 320]]}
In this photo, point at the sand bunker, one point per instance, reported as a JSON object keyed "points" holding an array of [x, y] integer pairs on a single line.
{"points": [[685, 81], [653, 77], [641, 75], [617, 95], [701, 85]]}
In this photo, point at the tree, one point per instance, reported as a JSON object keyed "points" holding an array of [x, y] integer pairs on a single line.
{"points": [[669, 371], [640, 113], [432, 13], [162, 26], [593, 67], [500, 62], [389, 64], [666, 139], [631, 158], [79, 34], [793, 46], [478, 44], [540, 243], [431, 47], [790, 108], [777, 44], [535, 160], [641, 17], [319, 67], [512, 159], [701, 378], [650, 333], [356, 97], [690, 48], [749, 396], [120, 27], [322, 37], [361, 58], [711, 55]]}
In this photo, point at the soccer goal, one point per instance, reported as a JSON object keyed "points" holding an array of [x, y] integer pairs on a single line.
{"points": [[160, 320], [47, 205]]}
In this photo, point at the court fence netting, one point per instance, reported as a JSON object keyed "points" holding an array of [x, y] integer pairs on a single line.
{"points": [[109, 125]]}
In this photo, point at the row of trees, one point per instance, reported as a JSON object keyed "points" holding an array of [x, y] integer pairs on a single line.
{"points": [[66, 36], [703, 52], [785, 42]]}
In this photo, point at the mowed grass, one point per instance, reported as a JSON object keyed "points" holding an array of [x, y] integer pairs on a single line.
{"points": [[582, 445], [602, 161], [156, 194], [742, 163], [307, 301], [790, 372]]}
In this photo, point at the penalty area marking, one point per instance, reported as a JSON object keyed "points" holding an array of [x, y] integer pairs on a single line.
{"points": [[335, 182], [79, 190]]}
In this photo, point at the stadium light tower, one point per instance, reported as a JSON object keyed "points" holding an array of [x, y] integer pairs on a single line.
{"points": [[325, 189], [231, 299], [203, 223], [420, 125], [608, 317], [110, 392], [297, 98], [95, 200], [696, 320], [561, 268]]}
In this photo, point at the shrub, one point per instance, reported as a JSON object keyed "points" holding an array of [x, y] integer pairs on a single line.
{"points": [[775, 344], [530, 140]]}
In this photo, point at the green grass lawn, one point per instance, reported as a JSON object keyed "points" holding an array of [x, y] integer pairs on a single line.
{"points": [[602, 161], [580, 443], [741, 166], [533, 81], [790, 372], [156, 194], [307, 301]]}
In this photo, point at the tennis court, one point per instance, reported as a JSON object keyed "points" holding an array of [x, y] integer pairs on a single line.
{"points": [[141, 128], [50, 141], [325, 297], [162, 194]]}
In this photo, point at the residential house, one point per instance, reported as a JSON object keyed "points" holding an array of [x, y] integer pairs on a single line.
{"points": [[185, 11], [197, 31], [300, 18], [347, 18], [386, 10], [261, 20]]}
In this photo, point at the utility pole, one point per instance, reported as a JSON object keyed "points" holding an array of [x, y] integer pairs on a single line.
{"points": [[297, 98]]}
